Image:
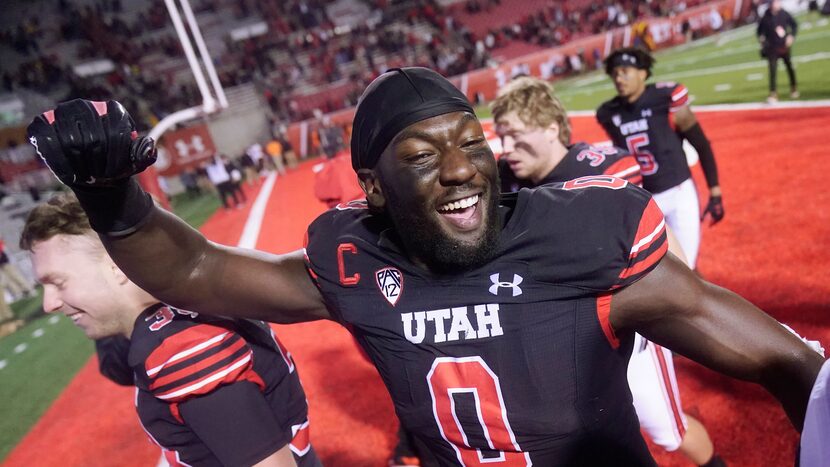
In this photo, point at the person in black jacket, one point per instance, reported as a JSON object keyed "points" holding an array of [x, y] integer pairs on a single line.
{"points": [[776, 32]]}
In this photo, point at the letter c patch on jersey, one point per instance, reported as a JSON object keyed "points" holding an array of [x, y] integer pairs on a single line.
{"points": [[341, 264]]}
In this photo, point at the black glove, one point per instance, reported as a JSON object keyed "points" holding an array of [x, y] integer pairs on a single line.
{"points": [[93, 148], [714, 209], [88, 143]]}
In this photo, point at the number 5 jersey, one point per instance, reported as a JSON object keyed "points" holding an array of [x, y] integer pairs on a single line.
{"points": [[646, 128]]}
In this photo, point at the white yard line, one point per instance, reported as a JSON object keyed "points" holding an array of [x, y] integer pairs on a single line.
{"points": [[722, 87], [253, 225], [751, 47], [701, 72]]}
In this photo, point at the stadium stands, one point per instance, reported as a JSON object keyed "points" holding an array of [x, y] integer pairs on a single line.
{"points": [[301, 55]]}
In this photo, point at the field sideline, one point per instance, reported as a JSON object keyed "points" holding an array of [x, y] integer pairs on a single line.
{"points": [[38, 361]]}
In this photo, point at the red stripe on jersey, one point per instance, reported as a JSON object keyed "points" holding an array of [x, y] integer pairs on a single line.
{"points": [[173, 459], [284, 353], [49, 115], [301, 442], [100, 107], [228, 374], [626, 168], [198, 366], [679, 96], [651, 228], [308, 267], [174, 411], [673, 402], [604, 316], [186, 343], [646, 263]]}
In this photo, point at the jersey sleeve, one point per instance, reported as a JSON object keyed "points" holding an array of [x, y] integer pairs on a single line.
{"points": [[328, 248], [196, 361], [606, 233], [648, 247], [679, 96], [626, 167], [236, 423]]}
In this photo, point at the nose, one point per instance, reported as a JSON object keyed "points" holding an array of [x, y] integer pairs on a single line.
{"points": [[457, 168], [51, 299]]}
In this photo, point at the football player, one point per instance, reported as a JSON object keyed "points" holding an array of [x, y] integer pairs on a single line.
{"points": [[651, 121], [210, 391], [502, 327], [536, 137]]}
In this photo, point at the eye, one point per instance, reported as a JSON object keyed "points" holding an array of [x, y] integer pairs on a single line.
{"points": [[419, 157], [473, 142]]}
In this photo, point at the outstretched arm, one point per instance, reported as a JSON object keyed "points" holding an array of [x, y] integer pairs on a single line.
{"points": [[717, 328], [181, 267]]}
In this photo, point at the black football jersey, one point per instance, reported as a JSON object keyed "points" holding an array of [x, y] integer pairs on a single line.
{"points": [[581, 160], [213, 391], [646, 129], [514, 362]]}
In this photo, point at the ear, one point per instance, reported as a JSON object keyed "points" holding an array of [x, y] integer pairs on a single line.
{"points": [[370, 183], [553, 131]]}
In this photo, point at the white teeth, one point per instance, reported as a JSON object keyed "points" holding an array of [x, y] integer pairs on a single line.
{"points": [[460, 204]]}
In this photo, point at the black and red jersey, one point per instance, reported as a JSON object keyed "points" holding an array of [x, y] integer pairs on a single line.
{"points": [[514, 360], [646, 128], [581, 160], [214, 391]]}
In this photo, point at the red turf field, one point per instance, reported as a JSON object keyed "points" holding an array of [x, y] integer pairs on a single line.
{"points": [[771, 248]]}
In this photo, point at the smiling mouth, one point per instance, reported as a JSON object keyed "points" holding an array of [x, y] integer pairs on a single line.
{"points": [[75, 317], [462, 213]]}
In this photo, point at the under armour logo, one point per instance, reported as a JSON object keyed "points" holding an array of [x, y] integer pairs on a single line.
{"points": [[497, 284]]}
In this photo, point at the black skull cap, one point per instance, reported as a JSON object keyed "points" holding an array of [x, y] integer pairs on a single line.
{"points": [[395, 100]]}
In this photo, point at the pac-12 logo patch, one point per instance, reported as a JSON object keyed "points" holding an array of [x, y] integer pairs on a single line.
{"points": [[390, 283]]}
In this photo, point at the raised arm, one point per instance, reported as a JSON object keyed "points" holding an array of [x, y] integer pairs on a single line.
{"points": [[181, 267], [673, 307], [93, 149]]}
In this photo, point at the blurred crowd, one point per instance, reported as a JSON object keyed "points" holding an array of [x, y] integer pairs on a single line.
{"points": [[302, 64]]}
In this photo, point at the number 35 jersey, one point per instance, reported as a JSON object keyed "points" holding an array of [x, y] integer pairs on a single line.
{"points": [[646, 128], [512, 363]]}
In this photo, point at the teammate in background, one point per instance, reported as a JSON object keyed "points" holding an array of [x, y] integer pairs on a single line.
{"points": [[536, 137], [211, 391], [502, 327], [651, 121], [776, 32]]}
